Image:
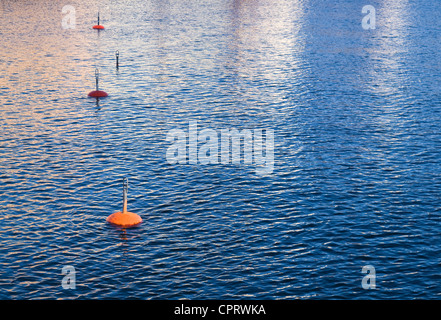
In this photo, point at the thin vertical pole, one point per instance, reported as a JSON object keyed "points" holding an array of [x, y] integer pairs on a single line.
{"points": [[125, 188], [97, 78]]}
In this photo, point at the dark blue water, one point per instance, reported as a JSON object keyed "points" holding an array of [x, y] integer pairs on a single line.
{"points": [[356, 116]]}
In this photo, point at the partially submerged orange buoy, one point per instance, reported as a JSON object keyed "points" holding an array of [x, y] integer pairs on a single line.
{"points": [[98, 26], [97, 93], [124, 219]]}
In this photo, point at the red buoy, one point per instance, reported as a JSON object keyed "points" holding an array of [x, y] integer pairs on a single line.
{"points": [[97, 93], [98, 26], [124, 218]]}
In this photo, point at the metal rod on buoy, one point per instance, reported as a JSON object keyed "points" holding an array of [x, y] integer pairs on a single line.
{"points": [[124, 218], [97, 76], [125, 189], [97, 93], [117, 58], [98, 18]]}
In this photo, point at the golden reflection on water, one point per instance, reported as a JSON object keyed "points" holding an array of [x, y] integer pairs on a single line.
{"points": [[40, 54], [44, 67]]}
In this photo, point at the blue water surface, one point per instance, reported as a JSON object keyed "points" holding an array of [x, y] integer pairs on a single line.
{"points": [[356, 116]]}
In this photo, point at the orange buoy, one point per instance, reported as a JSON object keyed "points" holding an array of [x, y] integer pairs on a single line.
{"points": [[98, 26], [124, 219], [97, 93]]}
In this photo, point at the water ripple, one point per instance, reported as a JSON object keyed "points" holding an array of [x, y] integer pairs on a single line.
{"points": [[356, 173]]}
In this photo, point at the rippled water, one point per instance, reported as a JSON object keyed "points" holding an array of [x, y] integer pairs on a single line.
{"points": [[356, 117]]}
